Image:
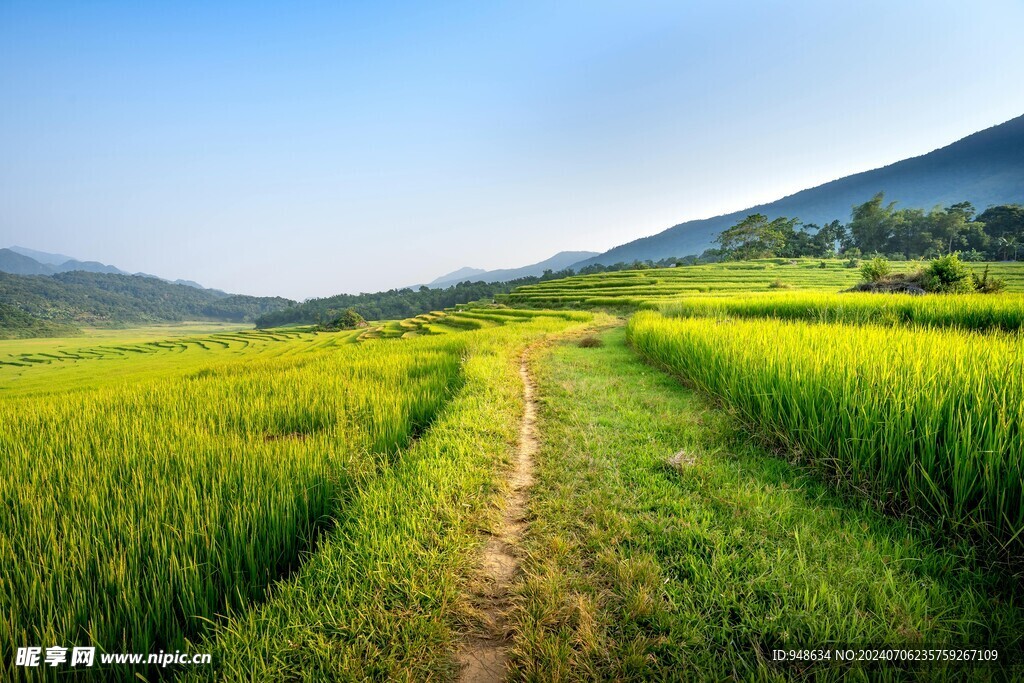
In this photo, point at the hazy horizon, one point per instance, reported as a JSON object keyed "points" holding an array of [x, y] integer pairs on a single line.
{"points": [[308, 151]]}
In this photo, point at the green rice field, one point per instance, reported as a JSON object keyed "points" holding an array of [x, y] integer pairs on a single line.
{"points": [[736, 458], [648, 288]]}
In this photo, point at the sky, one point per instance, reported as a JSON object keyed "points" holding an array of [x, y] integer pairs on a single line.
{"points": [[308, 149]]}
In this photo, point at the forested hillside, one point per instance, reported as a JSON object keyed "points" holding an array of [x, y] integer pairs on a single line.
{"points": [[986, 169], [80, 298], [17, 324]]}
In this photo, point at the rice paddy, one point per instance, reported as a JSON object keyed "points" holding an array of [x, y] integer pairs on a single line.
{"points": [[631, 289], [927, 420], [310, 505], [143, 509], [981, 313]]}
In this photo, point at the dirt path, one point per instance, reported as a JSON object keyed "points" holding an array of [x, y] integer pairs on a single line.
{"points": [[484, 655]]}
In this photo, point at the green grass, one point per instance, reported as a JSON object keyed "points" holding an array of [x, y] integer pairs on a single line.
{"points": [[928, 421], [638, 569]]}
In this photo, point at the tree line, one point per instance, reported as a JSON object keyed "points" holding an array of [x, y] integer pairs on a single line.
{"points": [[877, 228], [407, 302]]}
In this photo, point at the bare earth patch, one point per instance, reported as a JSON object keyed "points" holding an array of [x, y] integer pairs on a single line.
{"points": [[484, 655]]}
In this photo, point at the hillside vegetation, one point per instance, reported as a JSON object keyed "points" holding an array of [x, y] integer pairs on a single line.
{"points": [[103, 299], [17, 324]]}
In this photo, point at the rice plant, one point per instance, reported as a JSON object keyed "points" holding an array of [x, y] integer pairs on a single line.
{"points": [[972, 312], [137, 513], [930, 420]]}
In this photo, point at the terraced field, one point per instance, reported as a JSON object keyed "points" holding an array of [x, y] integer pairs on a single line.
{"points": [[630, 289]]}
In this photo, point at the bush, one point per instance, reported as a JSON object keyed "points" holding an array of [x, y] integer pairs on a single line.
{"points": [[823, 265], [986, 284], [349, 320], [876, 269], [947, 275], [852, 263], [591, 342], [779, 284]]}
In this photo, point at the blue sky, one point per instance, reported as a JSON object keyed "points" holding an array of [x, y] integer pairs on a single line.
{"points": [[306, 149]]}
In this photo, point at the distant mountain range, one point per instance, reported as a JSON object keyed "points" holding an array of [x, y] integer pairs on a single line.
{"points": [[460, 275], [559, 261], [986, 168], [24, 261]]}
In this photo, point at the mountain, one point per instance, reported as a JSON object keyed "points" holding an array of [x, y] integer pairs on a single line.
{"points": [[89, 267], [17, 324], [43, 256], [985, 168], [187, 283], [559, 261], [19, 264], [24, 261], [460, 275], [84, 298]]}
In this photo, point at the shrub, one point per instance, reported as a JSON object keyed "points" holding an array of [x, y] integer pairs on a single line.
{"points": [[823, 265], [947, 275], [779, 284], [349, 320], [987, 284], [876, 269], [853, 263], [590, 342]]}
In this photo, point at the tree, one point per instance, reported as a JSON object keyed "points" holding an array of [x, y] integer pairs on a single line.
{"points": [[947, 226], [801, 242], [829, 238], [1002, 221], [756, 237], [911, 235], [873, 225], [1008, 246]]}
